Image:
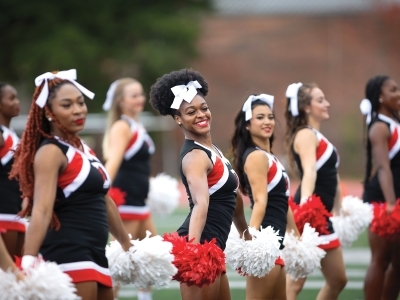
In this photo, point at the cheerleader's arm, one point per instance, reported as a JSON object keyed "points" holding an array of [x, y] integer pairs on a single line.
{"points": [[305, 144], [239, 218], [116, 227], [291, 224], [256, 168], [337, 204], [195, 166]]}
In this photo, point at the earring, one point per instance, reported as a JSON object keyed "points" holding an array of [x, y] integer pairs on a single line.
{"points": [[50, 119], [179, 123], [380, 100], [247, 128]]}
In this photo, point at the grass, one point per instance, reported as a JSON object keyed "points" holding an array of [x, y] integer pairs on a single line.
{"points": [[171, 223]]}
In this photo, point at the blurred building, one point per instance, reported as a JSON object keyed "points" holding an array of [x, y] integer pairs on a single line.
{"points": [[256, 46]]}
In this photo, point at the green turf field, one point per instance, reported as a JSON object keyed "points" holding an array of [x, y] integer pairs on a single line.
{"points": [[356, 259]]}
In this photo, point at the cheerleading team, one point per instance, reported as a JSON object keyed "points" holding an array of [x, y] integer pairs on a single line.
{"points": [[127, 149], [66, 185], [265, 181], [11, 201], [382, 105], [317, 161], [210, 182]]}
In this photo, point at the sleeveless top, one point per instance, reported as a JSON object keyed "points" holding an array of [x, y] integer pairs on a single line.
{"points": [[278, 193], [326, 165], [373, 191], [80, 201], [222, 187], [10, 202], [134, 172]]}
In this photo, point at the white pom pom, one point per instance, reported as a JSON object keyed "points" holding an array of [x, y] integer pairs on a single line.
{"points": [[257, 256], [235, 250], [164, 194], [9, 286], [122, 269], [355, 216], [46, 281], [148, 262], [153, 260], [302, 255]]}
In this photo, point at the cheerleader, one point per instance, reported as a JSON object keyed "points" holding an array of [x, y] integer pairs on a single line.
{"points": [[127, 148], [382, 105], [317, 161], [11, 201], [210, 182], [66, 185], [255, 166]]}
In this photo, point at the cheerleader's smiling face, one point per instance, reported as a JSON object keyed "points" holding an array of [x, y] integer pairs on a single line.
{"points": [[390, 95], [194, 117], [69, 107], [262, 123]]}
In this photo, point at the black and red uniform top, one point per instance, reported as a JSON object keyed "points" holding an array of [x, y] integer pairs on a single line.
{"points": [[133, 175], [325, 184], [222, 187], [278, 193], [373, 191], [327, 164], [78, 247], [10, 203]]}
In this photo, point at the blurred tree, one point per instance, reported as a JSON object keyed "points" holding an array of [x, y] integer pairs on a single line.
{"points": [[102, 39]]}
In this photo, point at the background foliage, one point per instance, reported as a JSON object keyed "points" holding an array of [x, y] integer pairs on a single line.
{"points": [[103, 40]]}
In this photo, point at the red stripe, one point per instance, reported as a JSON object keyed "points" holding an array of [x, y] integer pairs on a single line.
{"points": [[89, 275], [216, 173], [8, 143], [134, 216], [71, 172], [331, 245], [280, 261], [393, 139], [133, 140], [12, 226], [272, 172], [322, 146]]}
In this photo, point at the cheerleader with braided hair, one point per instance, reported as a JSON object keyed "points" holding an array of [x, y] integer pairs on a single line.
{"points": [[382, 187], [66, 185], [211, 183]]}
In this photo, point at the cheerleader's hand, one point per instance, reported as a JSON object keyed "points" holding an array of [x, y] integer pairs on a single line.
{"points": [[29, 261], [25, 203], [303, 200], [247, 236], [389, 208]]}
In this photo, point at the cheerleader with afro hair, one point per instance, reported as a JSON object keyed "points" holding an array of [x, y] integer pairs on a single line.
{"points": [[211, 186]]}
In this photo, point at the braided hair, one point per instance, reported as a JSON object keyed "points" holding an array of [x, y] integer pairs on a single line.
{"points": [[373, 90], [37, 129], [161, 96]]}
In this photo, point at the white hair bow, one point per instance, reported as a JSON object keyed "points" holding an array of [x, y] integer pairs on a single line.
{"points": [[291, 93], [184, 92], [366, 109], [69, 75], [262, 97], [110, 96]]}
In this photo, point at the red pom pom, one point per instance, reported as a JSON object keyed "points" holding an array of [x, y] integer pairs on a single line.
{"points": [[197, 264], [386, 225], [294, 206], [313, 211], [17, 261], [117, 195]]}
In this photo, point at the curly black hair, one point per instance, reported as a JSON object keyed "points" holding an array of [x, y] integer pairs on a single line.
{"points": [[161, 96]]}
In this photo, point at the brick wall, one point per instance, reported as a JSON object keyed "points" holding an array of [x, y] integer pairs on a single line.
{"points": [[244, 55]]}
